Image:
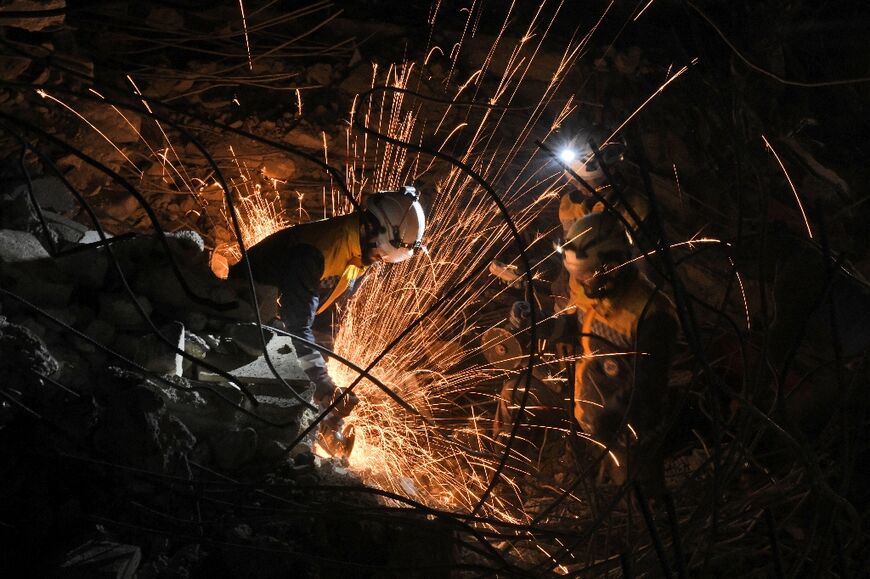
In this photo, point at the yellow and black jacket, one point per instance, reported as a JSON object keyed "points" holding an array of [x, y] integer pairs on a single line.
{"points": [[312, 264], [627, 344]]}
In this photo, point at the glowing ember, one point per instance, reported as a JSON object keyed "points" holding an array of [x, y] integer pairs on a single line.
{"points": [[259, 212]]}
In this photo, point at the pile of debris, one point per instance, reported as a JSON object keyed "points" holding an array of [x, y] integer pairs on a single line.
{"points": [[119, 382], [150, 305]]}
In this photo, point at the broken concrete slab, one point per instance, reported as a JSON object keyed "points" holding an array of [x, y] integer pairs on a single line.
{"points": [[283, 409], [23, 356], [20, 246], [155, 355], [248, 338], [283, 356]]}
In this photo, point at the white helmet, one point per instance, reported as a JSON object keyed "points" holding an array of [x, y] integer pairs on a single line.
{"points": [[402, 222], [596, 253]]}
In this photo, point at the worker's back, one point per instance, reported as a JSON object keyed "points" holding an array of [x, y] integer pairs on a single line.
{"points": [[336, 239]]}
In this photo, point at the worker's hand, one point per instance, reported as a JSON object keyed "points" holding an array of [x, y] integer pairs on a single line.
{"points": [[335, 436], [324, 387], [326, 392], [346, 404]]}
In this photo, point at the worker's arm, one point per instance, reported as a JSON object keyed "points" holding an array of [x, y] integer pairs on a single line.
{"points": [[300, 284]]}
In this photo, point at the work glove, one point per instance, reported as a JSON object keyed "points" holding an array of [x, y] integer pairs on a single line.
{"points": [[346, 405], [323, 393], [324, 387], [503, 271], [334, 435]]}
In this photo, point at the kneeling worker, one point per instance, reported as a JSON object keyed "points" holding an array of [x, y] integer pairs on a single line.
{"points": [[315, 263]]}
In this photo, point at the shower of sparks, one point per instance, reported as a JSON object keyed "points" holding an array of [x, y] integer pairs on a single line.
{"points": [[437, 368], [259, 214], [96, 129], [797, 197], [393, 167], [247, 41]]}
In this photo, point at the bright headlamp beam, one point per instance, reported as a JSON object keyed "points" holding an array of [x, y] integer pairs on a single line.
{"points": [[567, 155]]}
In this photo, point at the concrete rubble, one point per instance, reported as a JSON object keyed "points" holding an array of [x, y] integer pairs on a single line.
{"points": [[115, 383], [163, 390], [76, 351]]}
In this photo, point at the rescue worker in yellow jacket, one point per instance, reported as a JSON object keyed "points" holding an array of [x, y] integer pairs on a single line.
{"points": [[313, 264], [627, 334]]}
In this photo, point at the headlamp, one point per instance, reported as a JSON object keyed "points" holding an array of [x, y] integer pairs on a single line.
{"points": [[567, 155]]}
